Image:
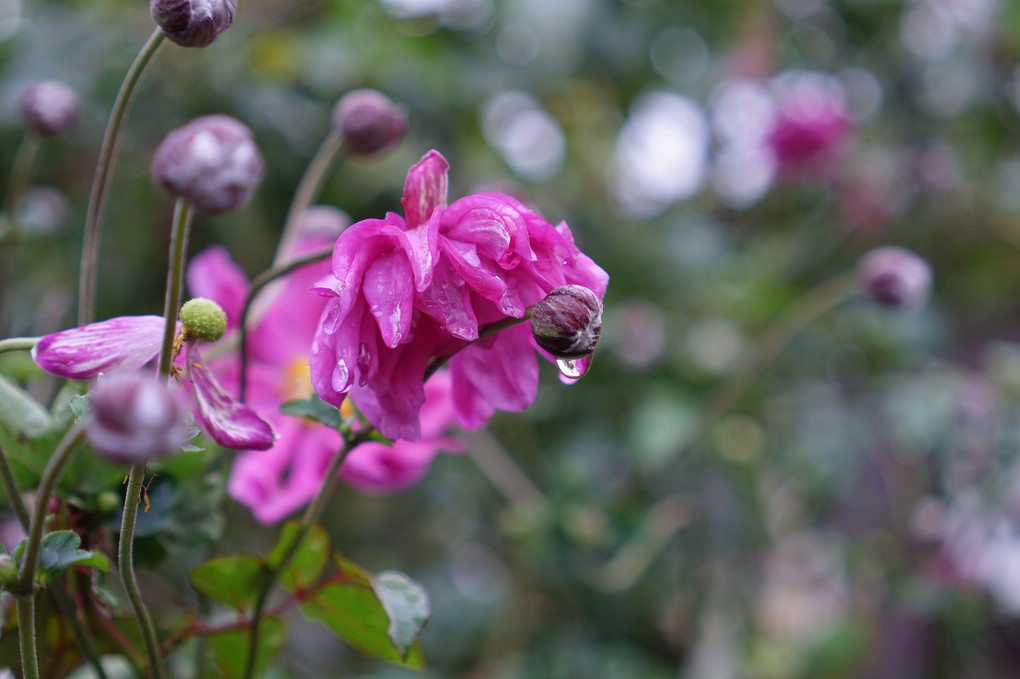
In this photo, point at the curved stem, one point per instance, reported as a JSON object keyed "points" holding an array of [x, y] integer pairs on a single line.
{"points": [[308, 189], [183, 214], [54, 468], [309, 519], [26, 636], [18, 343], [88, 272], [257, 284]]}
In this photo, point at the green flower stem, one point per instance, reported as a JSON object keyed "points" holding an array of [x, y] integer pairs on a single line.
{"points": [[21, 171], [18, 343], [13, 493], [307, 191], [125, 562], [257, 284], [89, 270], [26, 636], [183, 215], [309, 519]]}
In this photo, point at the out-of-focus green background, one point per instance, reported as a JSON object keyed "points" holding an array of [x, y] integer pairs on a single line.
{"points": [[856, 514]]}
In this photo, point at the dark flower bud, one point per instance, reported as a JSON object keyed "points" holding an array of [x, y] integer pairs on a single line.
{"points": [[368, 121], [193, 23], [895, 277], [48, 106], [135, 419], [567, 323], [203, 319], [211, 162]]}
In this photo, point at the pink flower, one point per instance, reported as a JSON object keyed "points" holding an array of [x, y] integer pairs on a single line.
{"points": [[276, 482], [128, 343], [811, 124], [406, 290]]}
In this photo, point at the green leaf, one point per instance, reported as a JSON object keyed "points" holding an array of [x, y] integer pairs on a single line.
{"points": [[314, 409], [406, 603], [59, 549], [21, 413], [311, 557], [230, 649], [351, 608], [230, 580]]}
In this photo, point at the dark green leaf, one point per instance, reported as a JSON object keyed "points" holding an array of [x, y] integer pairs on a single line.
{"points": [[406, 603], [351, 608], [308, 562], [59, 549], [230, 649], [231, 580], [314, 409]]}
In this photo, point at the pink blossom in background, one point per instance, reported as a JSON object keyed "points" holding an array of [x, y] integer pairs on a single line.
{"points": [[811, 125], [276, 482], [406, 290]]}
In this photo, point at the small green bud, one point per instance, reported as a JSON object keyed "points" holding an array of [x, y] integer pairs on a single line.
{"points": [[204, 319], [8, 571]]}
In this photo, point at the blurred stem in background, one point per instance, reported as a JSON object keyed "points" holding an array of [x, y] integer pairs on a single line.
{"points": [[89, 271], [21, 172]]}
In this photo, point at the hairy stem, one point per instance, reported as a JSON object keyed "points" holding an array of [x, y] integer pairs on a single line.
{"points": [[309, 519], [89, 271], [26, 636]]}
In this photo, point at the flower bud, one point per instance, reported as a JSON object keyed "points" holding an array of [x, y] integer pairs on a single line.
{"points": [[368, 121], [895, 277], [567, 323], [8, 570], [48, 106], [135, 419], [193, 23], [211, 162], [203, 319]]}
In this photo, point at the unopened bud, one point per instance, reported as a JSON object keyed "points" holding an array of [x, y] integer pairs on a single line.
{"points": [[211, 162], [203, 319], [48, 106], [568, 322], [895, 277], [193, 23], [8, 570], [368, 121], [135, 419]]}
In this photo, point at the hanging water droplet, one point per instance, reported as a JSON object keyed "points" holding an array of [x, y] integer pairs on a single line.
{"points": [[568, 368]]}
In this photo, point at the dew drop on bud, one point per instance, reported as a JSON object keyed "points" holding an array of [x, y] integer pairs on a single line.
{"points": [[568, 368]]}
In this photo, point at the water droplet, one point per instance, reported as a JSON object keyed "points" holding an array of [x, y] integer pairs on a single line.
{"points": [[567, 368], [341, 376]]}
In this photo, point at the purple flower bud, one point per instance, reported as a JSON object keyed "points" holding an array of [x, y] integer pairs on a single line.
{"points": [[211, 162], [193, 23], [48, 106], [567, 323], [368, 121], [135, 419], [895, 277]]}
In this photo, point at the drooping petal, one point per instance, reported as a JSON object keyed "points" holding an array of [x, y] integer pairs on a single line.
{"points": [[426, 188], [230, 423], [448, 301], [213, 274], [389, 291], [378, 468], [122, 343]]}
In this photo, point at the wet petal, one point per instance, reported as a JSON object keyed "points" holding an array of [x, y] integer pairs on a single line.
{"points": [[426, 188], [389, 291], [230, 423], [502, 375], [122, 343]]}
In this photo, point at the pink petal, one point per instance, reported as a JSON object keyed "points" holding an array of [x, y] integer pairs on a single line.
{"points": [[388, 289], [377, 468], [503, 375], [213, 274], [448, 301], [122, 343], [426, 188], [230, 423]]}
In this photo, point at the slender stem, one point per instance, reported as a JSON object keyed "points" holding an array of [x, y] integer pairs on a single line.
{"points": [[12, 491], [125, 561], [257, 284], [89, 270], [54, 468], [26, 636], [308, 189], [183, 215], [21, 171], [309, 519], [18, 344]]}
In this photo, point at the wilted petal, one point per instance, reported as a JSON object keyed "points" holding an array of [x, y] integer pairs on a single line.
{"points": [[230, 423], [426, 188], [122, 343]]}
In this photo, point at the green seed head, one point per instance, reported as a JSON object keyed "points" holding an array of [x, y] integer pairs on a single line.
{"points": [[204, 319]]}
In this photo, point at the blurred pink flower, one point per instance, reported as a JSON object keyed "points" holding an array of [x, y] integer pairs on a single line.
{"points": [[274, 483], [406, 290]]}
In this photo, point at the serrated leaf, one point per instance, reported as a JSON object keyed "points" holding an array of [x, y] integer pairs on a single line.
{"points": [[60, 549], [230, 649], [230, 580], [351, 608], [307, 564], [314, 409], [406, 603]]}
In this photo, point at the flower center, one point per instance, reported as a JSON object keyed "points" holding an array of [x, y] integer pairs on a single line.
{"points": [[296, 381]]}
